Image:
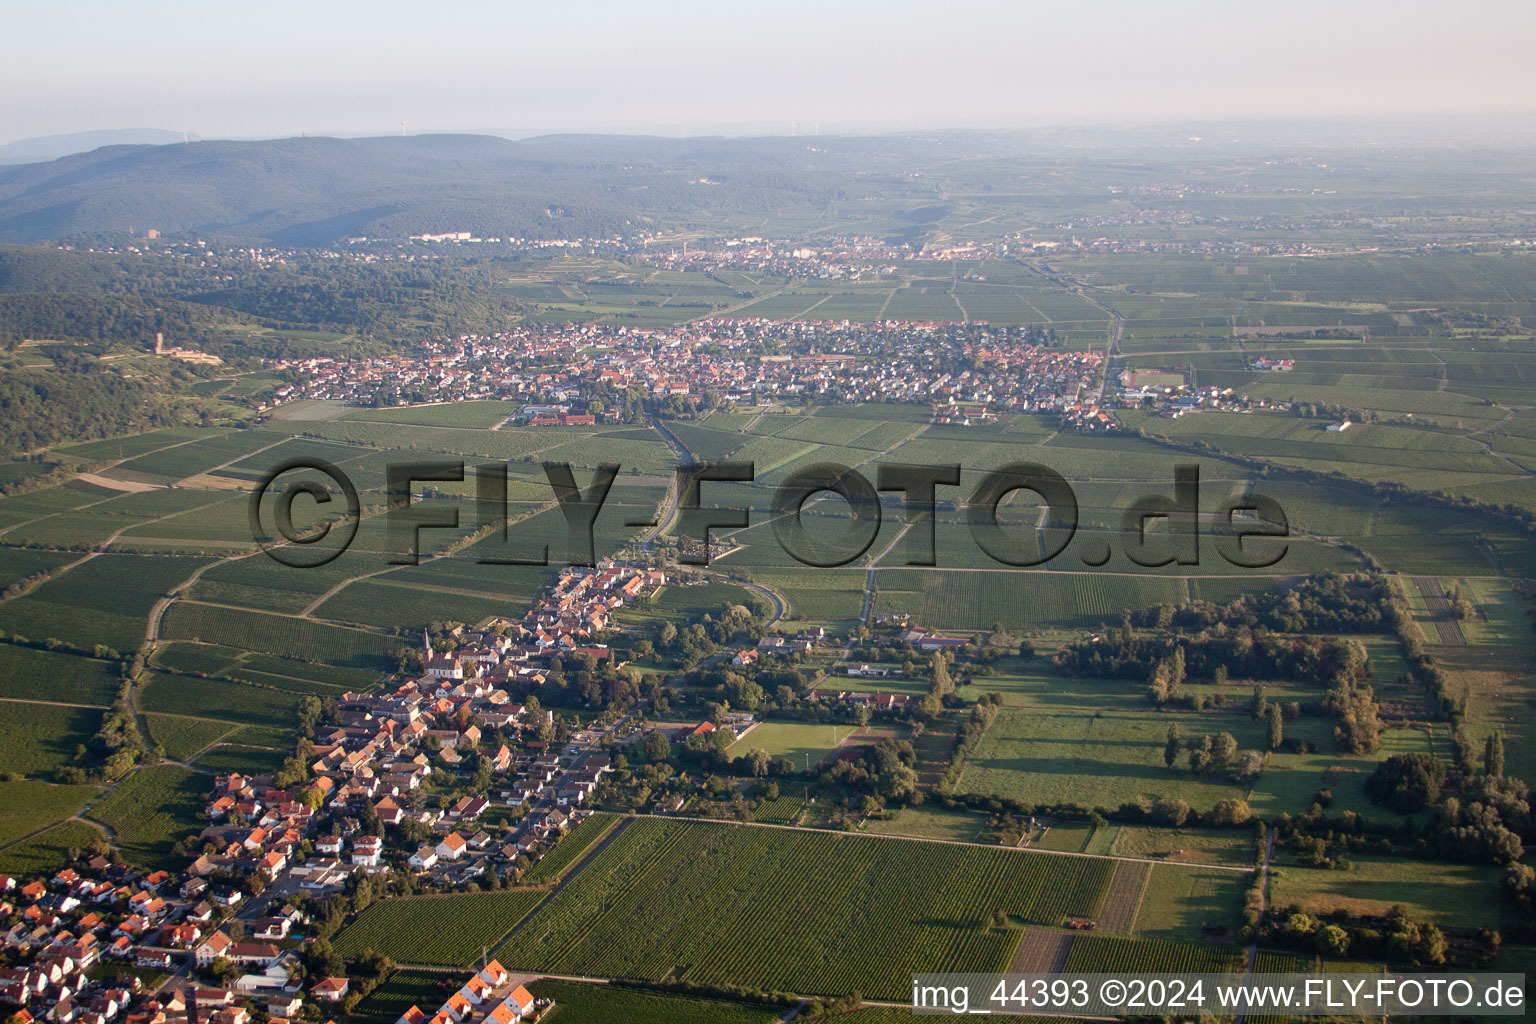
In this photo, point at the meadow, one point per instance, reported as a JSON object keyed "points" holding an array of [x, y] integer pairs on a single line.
{"points": [[1451, 895]]}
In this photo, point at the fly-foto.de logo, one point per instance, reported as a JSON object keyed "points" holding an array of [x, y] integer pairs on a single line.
{"points": [[1247, 531]]}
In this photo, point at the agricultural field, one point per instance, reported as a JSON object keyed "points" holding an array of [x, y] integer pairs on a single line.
{"points": [[1097, 743], [795, 911], [782, 810], [233, 702], [601, 1004], [27, 807], [439, 931], [230, 757], [1179, 903], [151, 809], [275, 634], [1106, 954], [38, 739], [182, 736], [931, 821], [554, 865], [105, 600], [403, 990], [1184, 845], [45, 852], [30, 674]]}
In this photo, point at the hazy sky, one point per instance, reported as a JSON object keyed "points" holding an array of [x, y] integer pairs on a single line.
{"points": [[678, 66]]}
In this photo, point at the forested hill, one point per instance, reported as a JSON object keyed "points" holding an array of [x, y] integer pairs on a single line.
{"points": [[312, 191]]}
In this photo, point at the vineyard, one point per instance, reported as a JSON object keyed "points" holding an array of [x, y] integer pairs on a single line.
{"points": [[1103, 954], [151, 809], [795, 911], [780, 811], [445, 931], [552, 866], [602, 1004], [276, 634]]}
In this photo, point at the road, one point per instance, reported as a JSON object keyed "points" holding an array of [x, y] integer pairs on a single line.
{"points": [[669, 513], [1252, 952], [675, 494]]}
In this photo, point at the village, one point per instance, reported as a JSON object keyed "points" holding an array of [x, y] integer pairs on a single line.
{"points": [[84, 936], [365, 797], [584, 374]]}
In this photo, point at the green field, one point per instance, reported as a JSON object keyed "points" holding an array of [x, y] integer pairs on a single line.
{"points": [[182, 737], [1178, 902], [403, 990], [273, 634], [801, 742], [795, 911], [1451, 895], [150, 810], [442, 931], [27, 807], [601, 1004], [36, 739], [930, 821], [1105, 954], [30, 674], [47, 851], [782, 810], [572, 847]]}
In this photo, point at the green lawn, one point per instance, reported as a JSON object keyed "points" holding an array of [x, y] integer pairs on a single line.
{"points": [[801, 742], [930, 821], [1178, 901]]}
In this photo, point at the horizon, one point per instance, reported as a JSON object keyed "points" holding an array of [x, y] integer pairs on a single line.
{"points": [[684, 71], [1441, 126]]}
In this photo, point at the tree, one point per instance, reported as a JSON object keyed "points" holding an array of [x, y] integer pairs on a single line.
{"points": [[1259, 705], [1276, 727], [1171, 747], [1170, 812], [1231, 812], [1332, 940], [759, 760], [1225, 752], [1493, 755], [657, 747], [1406, 782], [943, 685]]}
